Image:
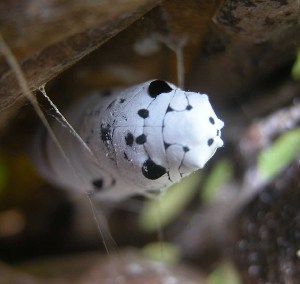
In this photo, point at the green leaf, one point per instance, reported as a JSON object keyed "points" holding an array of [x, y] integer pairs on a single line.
{"points": [[273, 159], [296, 67], [157, 213], [220, 174], [225, 273], [162, 251]]}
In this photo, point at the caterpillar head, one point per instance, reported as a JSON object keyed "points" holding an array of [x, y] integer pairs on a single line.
{"points": [[196, 128]]}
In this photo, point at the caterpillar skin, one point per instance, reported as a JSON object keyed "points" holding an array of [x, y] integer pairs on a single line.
{"points": [[143, 138]]}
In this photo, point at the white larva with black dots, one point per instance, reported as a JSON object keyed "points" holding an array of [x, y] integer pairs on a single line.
{"points": [[143, 138]]}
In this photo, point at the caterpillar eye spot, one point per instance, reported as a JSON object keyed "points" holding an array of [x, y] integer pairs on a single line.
{"points": [[169, 109], [142, 139], [129, 139], [152, 171], [121, 100], [211, 120], [166, 145], [143, 113], [97, 184], [158, 87], [210, 141], [185, 149]]}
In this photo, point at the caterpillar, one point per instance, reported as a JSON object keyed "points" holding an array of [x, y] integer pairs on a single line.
{"points": [[143, 138]]}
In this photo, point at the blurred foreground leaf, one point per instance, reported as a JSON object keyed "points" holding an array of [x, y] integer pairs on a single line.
{"points": [[279, 154], [157, 213], [220, 174], [296, 67], [224, 274], [162, 251]]}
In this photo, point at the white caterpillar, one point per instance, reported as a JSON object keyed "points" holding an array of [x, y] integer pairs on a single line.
{"points": [[143, 138]]}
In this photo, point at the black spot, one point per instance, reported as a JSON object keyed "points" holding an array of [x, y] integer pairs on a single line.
{"points": [[97, 184], [218, 132], [126, 157], [121, 100], [166, 145], [129, 139], [111, 104], [211, 120], [185, 149], [106, 133], [189, 107], [142, 139], [143, 113], [169, 109], [210, 141], [158, 87], [152, 171]]}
